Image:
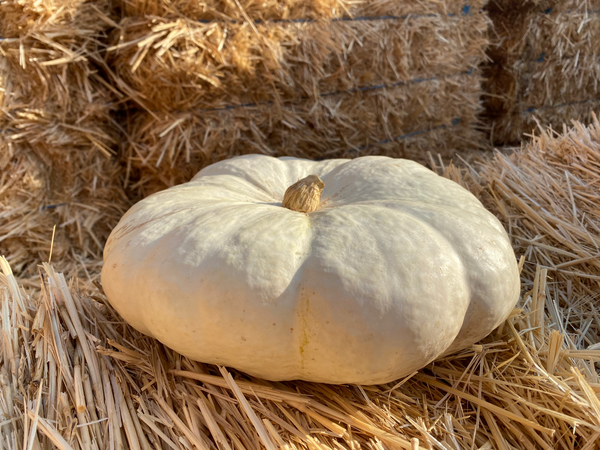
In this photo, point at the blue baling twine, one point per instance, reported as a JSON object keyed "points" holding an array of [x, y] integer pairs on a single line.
{"points": [[48, 207], [454, 122], [561, 105], [465, 11], [593, 11], [543, 55], [398, 83], [349, 91], [52, 206]]}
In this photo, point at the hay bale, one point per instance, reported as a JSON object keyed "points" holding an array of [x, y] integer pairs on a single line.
{"points": [[56, 131], [389, 78], [545, 65], [68, 360]]}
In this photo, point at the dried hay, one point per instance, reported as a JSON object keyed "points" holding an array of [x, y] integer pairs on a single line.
{"points": [[57, 143], [46, 48], [363, 80], [532, 384], [545, 65]]}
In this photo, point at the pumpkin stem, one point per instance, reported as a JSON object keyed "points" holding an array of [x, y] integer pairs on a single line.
{"points": [[304, 195]]}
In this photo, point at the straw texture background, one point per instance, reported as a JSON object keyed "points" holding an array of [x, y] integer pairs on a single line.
{"points": [[57, 144], [396, 78], [545, 65], [73, 375]]}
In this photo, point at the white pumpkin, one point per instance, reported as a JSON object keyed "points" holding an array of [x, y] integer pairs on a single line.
{"points": [[394, 268]]}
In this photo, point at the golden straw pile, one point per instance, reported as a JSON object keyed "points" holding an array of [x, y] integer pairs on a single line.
{"points": [[74, 375], [57, 143], [545, 65], [311, 79]]}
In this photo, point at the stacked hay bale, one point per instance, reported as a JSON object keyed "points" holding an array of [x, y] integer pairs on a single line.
{"points": [[545, 65], [57, 145], [317, 79]]}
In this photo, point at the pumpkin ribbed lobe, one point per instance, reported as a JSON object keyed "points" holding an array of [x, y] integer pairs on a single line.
{"points": [[304, 195]]}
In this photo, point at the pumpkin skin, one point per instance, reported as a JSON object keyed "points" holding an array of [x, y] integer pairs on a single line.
{"points": [[397, 267]]}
